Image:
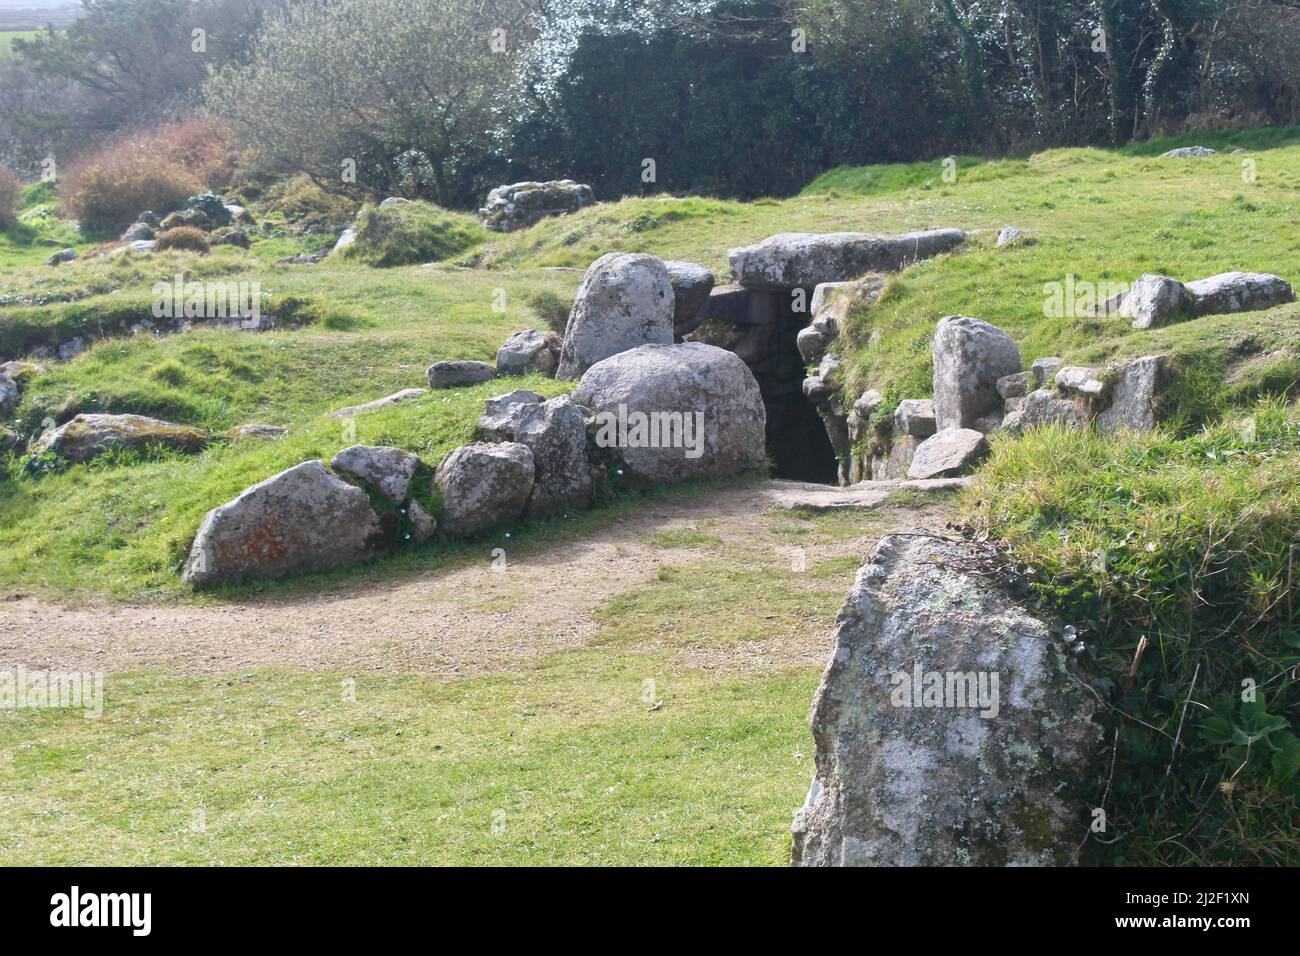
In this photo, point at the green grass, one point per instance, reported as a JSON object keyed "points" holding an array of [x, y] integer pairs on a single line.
{"points": [[1188, 544], [561, 763]]}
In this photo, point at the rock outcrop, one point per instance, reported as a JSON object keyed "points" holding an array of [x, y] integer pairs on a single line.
{"points": [[970, 355], [519, 205], [91, 435], [303, 519], [805, 260], [482, 485], [555, 432], [670, 413], [949, 728], [625, 300], [529, 351]]}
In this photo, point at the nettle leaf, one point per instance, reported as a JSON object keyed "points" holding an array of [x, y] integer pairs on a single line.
{"points": [[1257, 723], [1286, 756], [1217, 730]]}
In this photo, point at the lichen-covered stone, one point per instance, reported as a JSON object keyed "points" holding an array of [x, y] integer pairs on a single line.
{"points": [[625, 300], [1238, 292], [806, 260], [1046, 406], [1154, 301], [555, 432], [91, 435], [692, 284], [1132, 403], [303, 519], [993, 765], [948, 453], [915, 417], [386, 469], [970, 355], [519, 205], [529, 351], [405, 395], [482, 485]]}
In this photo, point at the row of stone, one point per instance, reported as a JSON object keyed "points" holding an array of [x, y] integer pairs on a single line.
{"points": [[651, 415], [1156, 300]]}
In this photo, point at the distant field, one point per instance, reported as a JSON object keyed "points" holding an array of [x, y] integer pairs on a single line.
{"points": [[7, 38]]}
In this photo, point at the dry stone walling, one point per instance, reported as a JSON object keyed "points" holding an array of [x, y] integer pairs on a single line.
{"points": [[763, 316]]}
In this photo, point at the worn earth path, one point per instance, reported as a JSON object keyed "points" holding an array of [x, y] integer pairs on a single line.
{"points": [[471, 620]]}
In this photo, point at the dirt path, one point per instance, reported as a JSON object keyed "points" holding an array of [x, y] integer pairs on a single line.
{"points": [[462, 622]]}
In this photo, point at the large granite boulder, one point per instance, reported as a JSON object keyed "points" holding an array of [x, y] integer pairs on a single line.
{"points": [[625, 300], [1154, 301], [519, 205], [386, 469], [303, 519], [89, 436], [555, 432], [1238, 292], [692, 284], [482, 485], [948, 453], [970, 355], [805, 260], [529, 351], [949, 728], [669, 413]]}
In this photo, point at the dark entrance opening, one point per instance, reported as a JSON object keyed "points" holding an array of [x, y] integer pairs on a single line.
{"points": [[762, 328], [797, 444]]}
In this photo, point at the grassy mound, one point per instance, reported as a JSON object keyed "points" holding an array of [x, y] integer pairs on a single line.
{"points": [[1175, 560], [407, 233]]}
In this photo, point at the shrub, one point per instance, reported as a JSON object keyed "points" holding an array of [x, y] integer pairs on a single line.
{"points": [[412, 232], [212, 206], [154, 170], [108, 191], [306, 205], [10, 190], [184, 238]]}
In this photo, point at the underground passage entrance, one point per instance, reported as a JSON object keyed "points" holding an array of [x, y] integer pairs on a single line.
{"points": [[762, 328]]}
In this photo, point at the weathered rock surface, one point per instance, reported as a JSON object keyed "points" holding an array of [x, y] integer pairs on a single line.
{"points": [[1132, 403], [989, 761], [303, 519], [915, 417], [386, 469], [692, 284], [970, 355], [404, 395], [1045, 406], [1045, 369], [88, 436], [459, 374], [1238, 292], [1016, 386], [1188, 152], [482, 485], [687, 412], [1154, 301], [1009, 236], [948, 453], [805, 260], [529, 351], [423, 524], [625, 300], [500, 403], [257, 430], [519, 205], [62, 256], [346, 238], [555, 432], [1083, 381], [10, 440], [8, 396]]}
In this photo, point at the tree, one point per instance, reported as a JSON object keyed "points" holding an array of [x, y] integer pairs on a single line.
{"points": [[394, 96]]}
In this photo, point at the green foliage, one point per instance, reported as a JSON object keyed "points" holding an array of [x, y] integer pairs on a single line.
{"points": [[551, 308], [413, 232], [1175, 559], [211, 205]]}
